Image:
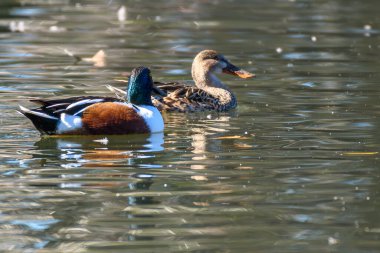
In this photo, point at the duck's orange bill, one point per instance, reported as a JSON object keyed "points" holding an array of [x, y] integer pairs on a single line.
{"points": [[233, 70], [244, 74]]}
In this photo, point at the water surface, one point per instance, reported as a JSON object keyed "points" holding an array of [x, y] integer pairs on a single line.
{"points": [[293, 169]]}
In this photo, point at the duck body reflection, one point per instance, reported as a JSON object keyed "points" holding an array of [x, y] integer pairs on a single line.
{"points": [[99, 151]]}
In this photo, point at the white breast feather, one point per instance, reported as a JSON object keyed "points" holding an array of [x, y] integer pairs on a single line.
{"points": [[152, 117]]}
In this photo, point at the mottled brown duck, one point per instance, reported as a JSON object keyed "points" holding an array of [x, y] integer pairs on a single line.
{"points": [[209, 92]]}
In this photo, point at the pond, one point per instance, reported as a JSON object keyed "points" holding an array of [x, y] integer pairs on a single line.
{"points": [[295, 168]]}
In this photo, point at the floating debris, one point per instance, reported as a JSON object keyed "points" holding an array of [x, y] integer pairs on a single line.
{"points": [[279, 50], [199, 178], [103, 141], [313, 38], [122, 14], [17, 26], [332, 241], [69, 53], [56, 29], [99, 59], [368, 29]]}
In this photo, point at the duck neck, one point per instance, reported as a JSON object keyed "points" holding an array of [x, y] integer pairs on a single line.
{"points": [[213, 86], [204, 78], [138, 96]]}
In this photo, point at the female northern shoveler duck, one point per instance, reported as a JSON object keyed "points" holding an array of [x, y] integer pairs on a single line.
{"points": [[101, 115], [209, 93]]}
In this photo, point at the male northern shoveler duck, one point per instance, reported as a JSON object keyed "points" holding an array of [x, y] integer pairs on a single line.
{"points": [[101, 115], [209, 93]]}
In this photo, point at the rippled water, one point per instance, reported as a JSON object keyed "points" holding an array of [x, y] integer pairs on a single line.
{"points": [[294, 169]]}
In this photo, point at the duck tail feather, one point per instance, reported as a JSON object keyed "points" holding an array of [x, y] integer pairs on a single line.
{"points": [[44, 123]]}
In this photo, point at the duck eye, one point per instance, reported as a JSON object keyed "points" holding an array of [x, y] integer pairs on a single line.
{"points": [[215, 57]]}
